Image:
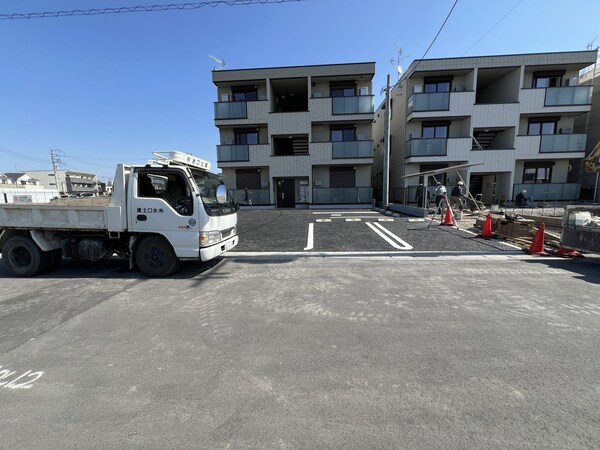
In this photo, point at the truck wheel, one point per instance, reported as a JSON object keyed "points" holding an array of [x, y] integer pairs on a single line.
{"points": [[22, 256], [155, 257]]}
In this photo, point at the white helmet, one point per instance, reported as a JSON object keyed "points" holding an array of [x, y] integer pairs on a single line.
{"points": [[460, 183]]}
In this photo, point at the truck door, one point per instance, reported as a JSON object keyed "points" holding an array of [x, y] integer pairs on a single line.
{"points": [[162, 201]]}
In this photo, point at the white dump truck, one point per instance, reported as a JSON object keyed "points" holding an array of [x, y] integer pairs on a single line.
{"points": [[169, 210]]}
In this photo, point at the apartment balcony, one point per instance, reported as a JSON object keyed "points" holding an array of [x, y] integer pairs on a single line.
{"points": [[443, 149], [440, 104], [240, 113], [355, 109], [556, 143], [243, 155], [541, 192], [352, 149], [568, 96], [429, 101], [363, 104], [426, 147], [353, 195], [231, 110], [551, 146], [330, 153], [556, 99]]}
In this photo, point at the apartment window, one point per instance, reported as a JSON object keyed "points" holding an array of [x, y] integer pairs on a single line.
{"points": [[537, 172], [341, 177], [343, 134], [437, 84], [244, 93], [342, 90], [248, 178], [547, 79], [432, 180], [432, 130], [545, 125], [246, 137]]}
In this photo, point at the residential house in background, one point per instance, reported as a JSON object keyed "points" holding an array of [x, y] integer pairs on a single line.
{"points": [[294, 137], [67, 181], [515, 117], [19, 180]]}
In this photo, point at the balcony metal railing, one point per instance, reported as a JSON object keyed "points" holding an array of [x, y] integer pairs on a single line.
{"points": [[430, 101], [427, 147], [342, 195], [232, 153], [250, 196], [552, 143], [231, 110], [362, 104], [352, 149], [568, 95], [549, 191]]}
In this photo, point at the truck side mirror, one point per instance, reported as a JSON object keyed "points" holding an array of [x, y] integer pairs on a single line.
{"points": [[221, 194]]}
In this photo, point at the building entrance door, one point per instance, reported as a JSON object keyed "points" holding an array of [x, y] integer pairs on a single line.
{"points": [[286, 197]]}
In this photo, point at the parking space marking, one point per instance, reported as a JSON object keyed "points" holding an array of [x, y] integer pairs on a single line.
{"points": [[380, 230], [500, 242], [323, 220], [354, 219], [310, 238]]}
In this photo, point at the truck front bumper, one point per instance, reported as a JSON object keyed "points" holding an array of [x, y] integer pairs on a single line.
{"points": [[208, 253]]}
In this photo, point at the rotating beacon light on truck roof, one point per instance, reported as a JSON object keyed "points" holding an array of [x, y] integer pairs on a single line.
{"points": [[180, 158]]}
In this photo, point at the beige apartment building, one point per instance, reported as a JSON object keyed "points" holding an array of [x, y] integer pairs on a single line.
{"points": [[515, 118], [296, 137]]}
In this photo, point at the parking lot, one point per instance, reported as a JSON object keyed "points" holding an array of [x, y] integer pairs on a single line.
{"points": [[357, 231], [363, 345]]}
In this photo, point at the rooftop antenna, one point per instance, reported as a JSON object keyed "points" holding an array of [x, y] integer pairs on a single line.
{"points": [[590, 45], [220, 62], [399, 69]]}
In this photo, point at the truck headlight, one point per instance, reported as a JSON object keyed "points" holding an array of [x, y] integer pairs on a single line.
{"points": [[210, 238]]}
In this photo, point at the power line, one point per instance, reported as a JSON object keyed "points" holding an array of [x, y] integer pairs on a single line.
{"points": [[139, 8], [436, 36], [492, 27]]}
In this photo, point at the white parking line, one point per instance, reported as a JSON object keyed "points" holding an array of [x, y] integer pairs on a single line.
{"points": [[310, 238], [500, 242], [380, 230]]}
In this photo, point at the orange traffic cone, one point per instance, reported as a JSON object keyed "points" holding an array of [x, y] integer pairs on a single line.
{"points": [[537, 246], [486, 232], [449, 218]]}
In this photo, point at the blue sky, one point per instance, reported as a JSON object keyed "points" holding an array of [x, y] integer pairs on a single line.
{"points": [[113, 88]]}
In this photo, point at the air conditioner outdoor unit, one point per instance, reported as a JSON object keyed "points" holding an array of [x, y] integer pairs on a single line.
{"points": [[417, 89], [360, 137], [364, 90], [224, 97], [317, 95]]}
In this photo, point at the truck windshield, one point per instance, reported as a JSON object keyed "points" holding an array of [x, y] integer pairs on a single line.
{"points": [[207, 185]]}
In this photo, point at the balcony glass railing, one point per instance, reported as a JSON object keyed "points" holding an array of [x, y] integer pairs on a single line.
{"points": [[342, 195], [231, 110], [352, 105], [431, 101], [427, 147], [352, 149], [250, 196], [568, 95], [232, 153], [539, 192], [552, 143]]}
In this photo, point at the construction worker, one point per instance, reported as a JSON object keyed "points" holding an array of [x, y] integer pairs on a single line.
{"points": [[521, 199], [440, 194], [457, 196]]}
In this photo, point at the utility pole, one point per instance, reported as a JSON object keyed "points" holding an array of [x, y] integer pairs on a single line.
{"points": [[55, 162], [386, 147]]}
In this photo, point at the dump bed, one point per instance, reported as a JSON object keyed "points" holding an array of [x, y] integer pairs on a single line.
{"points": [[76, 214], [581, 228]]}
